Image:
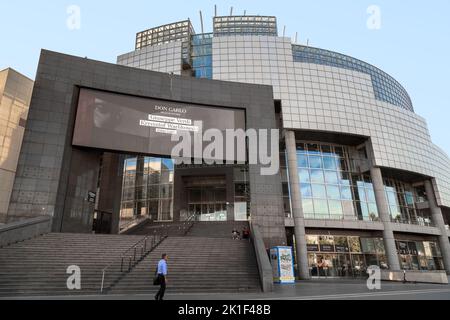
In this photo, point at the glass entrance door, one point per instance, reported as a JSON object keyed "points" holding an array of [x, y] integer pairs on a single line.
{"points": [[208, 211], [211, 206]]}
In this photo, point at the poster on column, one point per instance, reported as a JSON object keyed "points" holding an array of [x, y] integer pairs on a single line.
{"points": [[283, 265]]}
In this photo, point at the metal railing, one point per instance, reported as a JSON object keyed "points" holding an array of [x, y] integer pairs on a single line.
{"points": [[131, 257], [419, 221], [190, 222], [170, 229], [127, 225]]}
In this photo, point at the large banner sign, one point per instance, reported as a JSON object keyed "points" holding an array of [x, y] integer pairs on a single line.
{"points": [[142, 125]]}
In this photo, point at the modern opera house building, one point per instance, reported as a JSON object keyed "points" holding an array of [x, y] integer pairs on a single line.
{"points": [[360, 184]]}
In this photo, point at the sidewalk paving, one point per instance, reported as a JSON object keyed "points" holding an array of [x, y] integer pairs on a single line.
{"points": [[327, 289]]}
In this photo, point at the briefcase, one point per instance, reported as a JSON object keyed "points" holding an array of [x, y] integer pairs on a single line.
{"points": [[156, 279]]}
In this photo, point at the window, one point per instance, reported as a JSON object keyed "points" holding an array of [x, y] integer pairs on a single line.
{"points": [[304, 176], [324, 176], [147, 189], [333, 192], [420, 255], [317, 176], [315, 162], [331, 177], [402, 198], [319, 191], [306, 191]]}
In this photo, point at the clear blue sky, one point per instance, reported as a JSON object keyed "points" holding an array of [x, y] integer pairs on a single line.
{"points": [[413, 44]]}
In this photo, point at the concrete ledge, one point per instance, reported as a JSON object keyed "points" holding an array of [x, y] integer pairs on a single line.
{"points": [[412, 228], [23, 230], [344, 224], [366, 225], [438, 277], [264, 266]]}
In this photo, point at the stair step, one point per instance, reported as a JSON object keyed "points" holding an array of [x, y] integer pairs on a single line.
{"points": [[205, 260]]}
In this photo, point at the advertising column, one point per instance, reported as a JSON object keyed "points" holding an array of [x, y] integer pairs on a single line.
{"points": [[282, 265]]}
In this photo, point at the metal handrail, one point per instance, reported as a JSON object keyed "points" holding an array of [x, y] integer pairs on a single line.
{"points": [[136, 252], [191, 221], [124, 227], [131, 255]]}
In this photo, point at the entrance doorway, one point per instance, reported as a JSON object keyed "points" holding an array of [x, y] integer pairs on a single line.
{"points": [[336, 265], [208, 211], [102, 222], [207, 198]]}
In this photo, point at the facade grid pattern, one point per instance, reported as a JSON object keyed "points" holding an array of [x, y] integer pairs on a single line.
{"points": [[331, 99], [245, 25], [201, 55], [386, 88], [178, 31], [163, 58]]}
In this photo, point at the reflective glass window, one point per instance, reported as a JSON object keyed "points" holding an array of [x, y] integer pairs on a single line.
{"points": [[306, 190], [317, 176], [315, 162], [319, 191], [333, 192]]}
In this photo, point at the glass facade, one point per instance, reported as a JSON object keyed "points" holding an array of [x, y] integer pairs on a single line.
{"points": [[208, 203], [402, 199], [344, 256], [419, 255], [201, 55], [147, 189], [386, 88], [178, 31], [245, 25], [329, 187], [350, 256], [148, 192]]}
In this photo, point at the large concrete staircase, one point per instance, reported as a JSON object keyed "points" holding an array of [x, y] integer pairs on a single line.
{"points": [[38, 266], [205, 260]]}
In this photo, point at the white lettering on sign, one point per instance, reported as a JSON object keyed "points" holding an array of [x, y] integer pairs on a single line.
{"points": [[170, 109], [168, 125], [152, 117], [172, 132]]}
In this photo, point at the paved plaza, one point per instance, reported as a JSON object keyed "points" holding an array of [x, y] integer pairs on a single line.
{"points": [[304, 290]]}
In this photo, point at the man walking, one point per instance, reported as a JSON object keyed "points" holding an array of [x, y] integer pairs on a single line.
{"points": [[162, 277]]}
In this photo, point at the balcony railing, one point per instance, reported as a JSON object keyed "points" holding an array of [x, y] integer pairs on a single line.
{"points": [[419, 221], [312, 216]]}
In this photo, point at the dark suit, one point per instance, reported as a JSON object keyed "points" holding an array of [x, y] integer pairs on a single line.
{"points": [[162, 288]]}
